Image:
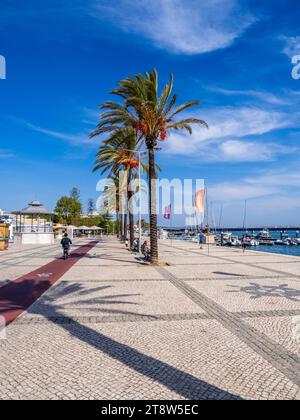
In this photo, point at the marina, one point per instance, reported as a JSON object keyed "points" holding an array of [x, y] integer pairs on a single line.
{"points": [[279, 241]]}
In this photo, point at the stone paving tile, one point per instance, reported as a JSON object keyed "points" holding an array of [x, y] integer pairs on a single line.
{"points": [[291, 268], [283, 330], [40, 261], [112, 328], [107, 262], [127, 298], [280, 313], [283, 360], [13, 272], [188, 359], [29, 319], [265, 259], [194, 260], [249, 295], [111, 273], [218, 271], [16, 264], [236, 278]]}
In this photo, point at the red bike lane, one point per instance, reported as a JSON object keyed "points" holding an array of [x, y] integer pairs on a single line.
{"points": [[18, 295]]}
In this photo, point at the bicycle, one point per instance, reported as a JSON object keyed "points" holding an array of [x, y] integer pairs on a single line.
{"points": [[66, 253]]}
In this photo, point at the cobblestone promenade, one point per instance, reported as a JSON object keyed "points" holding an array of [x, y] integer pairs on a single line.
{"points": [[219, 326]]}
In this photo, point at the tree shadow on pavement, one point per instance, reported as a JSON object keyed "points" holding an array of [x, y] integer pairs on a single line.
{"points": [[76, 297], [223, 273], [176, 380], [105, 258]]}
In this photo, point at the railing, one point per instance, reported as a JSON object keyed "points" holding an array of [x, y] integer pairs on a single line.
{"points": [[33, 229]]}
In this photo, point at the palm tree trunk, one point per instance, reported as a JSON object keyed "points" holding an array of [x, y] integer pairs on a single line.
{"points": [[117, 205], [152, 207], [131, 221], [123, 214], [130, 210], [121, 226], [125, 227], [118, 224]]}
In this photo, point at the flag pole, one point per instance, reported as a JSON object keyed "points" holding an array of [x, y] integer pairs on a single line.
{"points": [[171, 224], [207, 220], [140, 205]]}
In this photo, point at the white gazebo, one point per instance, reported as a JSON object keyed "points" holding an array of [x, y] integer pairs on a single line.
{"points": [[32, 226]]}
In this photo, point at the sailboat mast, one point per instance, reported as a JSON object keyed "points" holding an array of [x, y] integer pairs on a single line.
{"points": [[245, 218], [221, 217]]}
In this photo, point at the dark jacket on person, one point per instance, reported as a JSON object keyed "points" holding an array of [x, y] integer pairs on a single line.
{"points": [[66, 243]]}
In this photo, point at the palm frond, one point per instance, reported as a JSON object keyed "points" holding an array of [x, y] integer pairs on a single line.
{"points": [[183, 107], [165, 95], [190, 121], [171, 104]]}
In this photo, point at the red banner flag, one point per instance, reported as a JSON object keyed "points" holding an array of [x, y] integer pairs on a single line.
{"points": [[200, 200], [167, 214]]}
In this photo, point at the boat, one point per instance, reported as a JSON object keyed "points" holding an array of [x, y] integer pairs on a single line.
{"points": [[286, 240], [297, 239], [264, 238], [235, 241], [187, 237], [227, 239], [249, 242]]}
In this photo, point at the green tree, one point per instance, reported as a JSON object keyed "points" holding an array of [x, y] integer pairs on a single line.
{"points": [[145, 225], [75, 194], [108, 223], [68, 210], [90, 207]]}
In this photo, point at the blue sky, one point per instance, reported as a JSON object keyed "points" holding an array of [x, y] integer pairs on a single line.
{"points": [[63, 58]]}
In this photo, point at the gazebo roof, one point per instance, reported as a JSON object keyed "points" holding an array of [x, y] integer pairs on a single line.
{"points": [[34, 208]]}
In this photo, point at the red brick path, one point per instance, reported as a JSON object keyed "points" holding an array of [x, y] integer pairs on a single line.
{"points": [[18, 295]]}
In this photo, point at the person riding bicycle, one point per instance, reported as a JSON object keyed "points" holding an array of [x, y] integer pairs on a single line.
{"points": [[66, 243]]}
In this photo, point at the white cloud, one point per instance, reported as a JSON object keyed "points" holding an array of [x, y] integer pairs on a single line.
{"points": [[242, 151], [74, 139], [228, 133], [91, 117], [282, 208], [260, 95], [292, 45], [278, 210], [228, 192], [281, 178], [261, 186], [272, 199], [177, 25]]}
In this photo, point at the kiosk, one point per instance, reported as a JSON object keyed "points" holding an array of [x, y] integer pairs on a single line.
{"points": [[34, 225]]}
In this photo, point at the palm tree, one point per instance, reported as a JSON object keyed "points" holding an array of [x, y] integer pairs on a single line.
{"points": [[118, 153], [152, 115]]}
